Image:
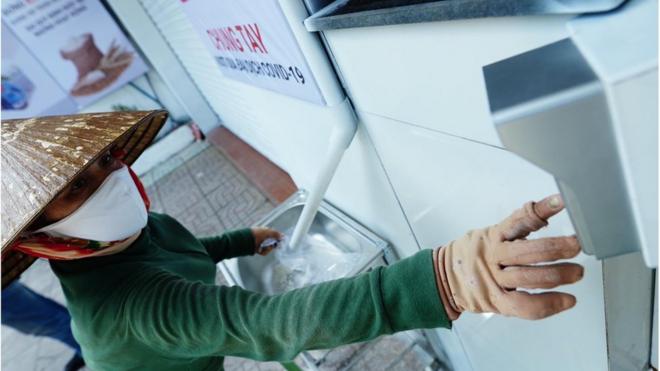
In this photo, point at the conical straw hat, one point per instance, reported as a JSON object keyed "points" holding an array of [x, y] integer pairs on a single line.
{"points": [[41, 156]]}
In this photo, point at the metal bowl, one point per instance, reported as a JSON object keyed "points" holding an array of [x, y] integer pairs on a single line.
{"points": [[336, 235]]}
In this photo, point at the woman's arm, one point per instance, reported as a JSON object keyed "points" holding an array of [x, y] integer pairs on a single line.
{"points": [[193, 319], [230, 244]]}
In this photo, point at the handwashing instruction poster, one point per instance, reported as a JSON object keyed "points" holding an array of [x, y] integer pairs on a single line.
{"points": [[252, 42], [27, 88], [77, 42]]}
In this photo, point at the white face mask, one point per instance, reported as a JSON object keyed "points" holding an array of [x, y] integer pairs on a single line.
{"points": [[114, 212]]}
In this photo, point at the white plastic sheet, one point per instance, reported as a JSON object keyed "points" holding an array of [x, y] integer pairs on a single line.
{"points": [[315, 260]]}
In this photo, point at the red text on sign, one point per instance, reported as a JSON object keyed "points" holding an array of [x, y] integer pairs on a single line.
{"points": [[238, 38]]}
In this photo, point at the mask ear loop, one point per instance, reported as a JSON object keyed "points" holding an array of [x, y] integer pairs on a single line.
{"points": [[119, 154]]}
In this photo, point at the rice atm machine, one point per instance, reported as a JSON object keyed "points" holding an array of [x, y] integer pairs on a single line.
{"points": [[585, 109]]}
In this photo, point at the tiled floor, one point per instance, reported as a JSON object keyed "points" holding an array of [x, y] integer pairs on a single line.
{"points": [[206, 193], [265, 175], [202, 189]]}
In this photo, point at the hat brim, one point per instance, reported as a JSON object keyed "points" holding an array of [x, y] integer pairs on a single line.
{"points": [[134, 141]]}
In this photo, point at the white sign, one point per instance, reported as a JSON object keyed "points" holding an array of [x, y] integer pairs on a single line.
{"points": [[252, 42], [27, 89], [77, 42]]}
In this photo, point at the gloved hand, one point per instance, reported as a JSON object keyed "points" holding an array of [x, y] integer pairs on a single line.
{"points": [[481, 271], [261, 234]]}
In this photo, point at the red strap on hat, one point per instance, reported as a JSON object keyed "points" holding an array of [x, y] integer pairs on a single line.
{"points": [[118, 153]]}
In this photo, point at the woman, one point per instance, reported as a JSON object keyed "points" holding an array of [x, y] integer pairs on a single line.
{"points": [[140, 287]]}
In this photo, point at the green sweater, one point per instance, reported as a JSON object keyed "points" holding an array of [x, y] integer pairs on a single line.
{"points": [[154, 306]]}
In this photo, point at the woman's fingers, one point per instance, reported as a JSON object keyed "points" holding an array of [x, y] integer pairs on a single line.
{"points": [[539, 276], [261, 235], [549, 206], [271, 233], [530, 218], [523, 252], [536, 306], [265, 251]]}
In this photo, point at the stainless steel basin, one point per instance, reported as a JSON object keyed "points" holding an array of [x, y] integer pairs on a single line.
{"points": [[342, 248]]}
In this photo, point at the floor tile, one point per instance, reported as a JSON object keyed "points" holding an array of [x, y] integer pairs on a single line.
{"points": [[236, 213], [276, 184], [201, 220], [156, 204], [270, 366], [178, 191], [210, 177], [227, 193], [147, 179], [209, 159], [19, 353], [165, 168], [258, 214], [193, 150]]}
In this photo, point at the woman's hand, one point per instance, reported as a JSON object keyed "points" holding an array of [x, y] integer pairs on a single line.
{"points": [[484, 270], [261, 234]]}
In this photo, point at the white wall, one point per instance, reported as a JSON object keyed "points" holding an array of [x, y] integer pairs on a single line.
{"points": [[419, 91], [425, 165], [429, 74]]}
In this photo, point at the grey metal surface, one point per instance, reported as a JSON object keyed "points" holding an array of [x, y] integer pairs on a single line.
{"points": [[628, 290], [362, 13], [565, 128], [578, 124], [514, 81], [338, 229], [315, 5], [622, 48], [654, 332]]}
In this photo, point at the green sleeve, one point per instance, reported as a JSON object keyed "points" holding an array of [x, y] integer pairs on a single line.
{"points": [[230, 244], [193, 319]]}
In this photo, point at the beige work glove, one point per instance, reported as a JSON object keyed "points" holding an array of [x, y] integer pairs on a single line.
{"points": [[481, 271]]}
